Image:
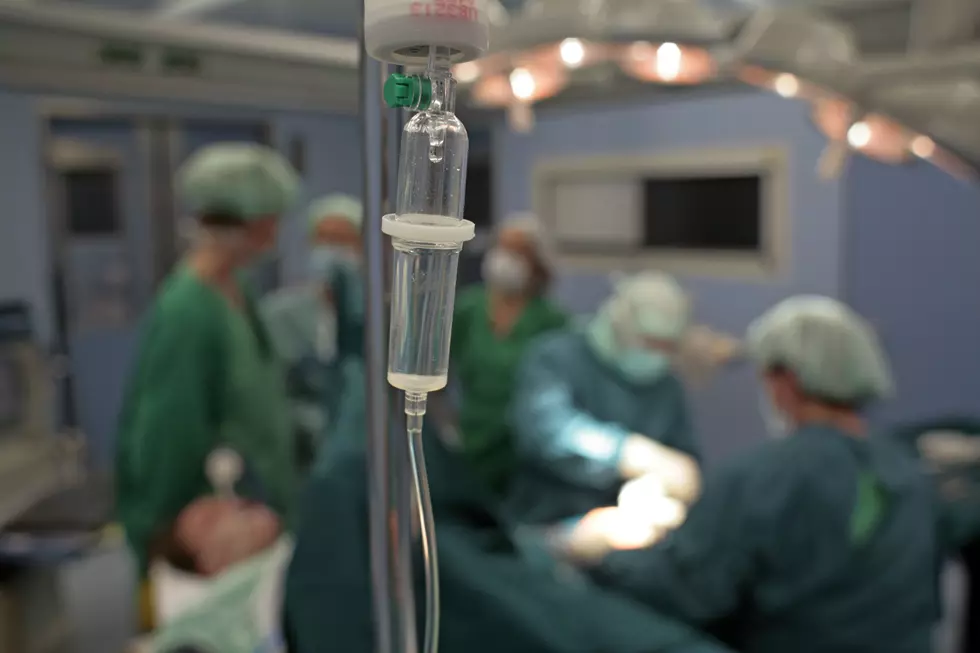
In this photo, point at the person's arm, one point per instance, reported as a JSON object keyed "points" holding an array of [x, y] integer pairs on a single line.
{"points": [[553, 432], [700, 572], [172, 426]]}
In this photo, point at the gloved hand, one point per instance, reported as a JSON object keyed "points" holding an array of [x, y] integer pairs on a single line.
{"points": [[218, 533], [677, 471], [645, 499], [608, 529]]}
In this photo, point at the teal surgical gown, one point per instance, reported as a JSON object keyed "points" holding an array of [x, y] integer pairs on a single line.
{"points": [[205, 377], [485, 365], [493, 598], [815, 543], [317, 387], [571, 414]]}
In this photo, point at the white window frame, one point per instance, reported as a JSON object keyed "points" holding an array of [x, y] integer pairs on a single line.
{"points": [[770, 163]]}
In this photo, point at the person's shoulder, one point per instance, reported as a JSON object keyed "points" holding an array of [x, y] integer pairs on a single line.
{"points": [[765, 467], [184, 305]]}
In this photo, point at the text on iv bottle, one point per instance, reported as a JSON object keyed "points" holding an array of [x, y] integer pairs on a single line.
{"points": [[460, 9]]}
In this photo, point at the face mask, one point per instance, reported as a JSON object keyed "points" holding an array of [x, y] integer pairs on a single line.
{"points": [[505, 271], [325, 259], [776, 423], [643, 365]]}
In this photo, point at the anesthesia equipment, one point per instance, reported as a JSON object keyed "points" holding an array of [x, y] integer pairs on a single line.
{"points": [[427, 229]]}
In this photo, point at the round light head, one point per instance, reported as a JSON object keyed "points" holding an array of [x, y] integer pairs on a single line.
{"points": [[572, 52], [525, 84], [668, 63], [873, 135], [467, 72], [786, 85]]}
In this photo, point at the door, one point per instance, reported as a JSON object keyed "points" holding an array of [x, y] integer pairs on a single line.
{"points": [[99, 208]]}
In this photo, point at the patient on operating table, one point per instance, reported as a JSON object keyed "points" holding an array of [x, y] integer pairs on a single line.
{"points": [[221, 591], [214, 533]]}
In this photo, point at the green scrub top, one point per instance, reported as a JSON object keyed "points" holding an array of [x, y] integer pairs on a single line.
{"points": [[485, 366], [205, 376], [817, 542]]}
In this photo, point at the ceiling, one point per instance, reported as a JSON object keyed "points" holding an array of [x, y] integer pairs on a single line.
{"points": [[882, 25]]}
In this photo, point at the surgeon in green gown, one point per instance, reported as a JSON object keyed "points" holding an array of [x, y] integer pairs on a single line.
{"points": [[498, 594], [318, 327], [820, 539], [492, 327], [206, 375], [599, 404]]}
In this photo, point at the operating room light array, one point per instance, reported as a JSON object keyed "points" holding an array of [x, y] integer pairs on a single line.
{"points": [[796, 54]]}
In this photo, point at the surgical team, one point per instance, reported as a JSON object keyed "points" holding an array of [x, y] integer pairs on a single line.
{"points": [[572, 512]]}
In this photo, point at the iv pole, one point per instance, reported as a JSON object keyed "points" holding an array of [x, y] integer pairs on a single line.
{"points": [[390, 490]]}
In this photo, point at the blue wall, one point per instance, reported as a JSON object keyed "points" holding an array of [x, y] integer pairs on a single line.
{"points": [[913, 264], [727, 410]]}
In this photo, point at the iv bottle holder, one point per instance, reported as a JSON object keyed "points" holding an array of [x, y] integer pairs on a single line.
{"points": [[438, 230]]}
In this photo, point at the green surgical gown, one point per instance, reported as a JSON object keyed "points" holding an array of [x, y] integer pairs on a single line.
{"points": [[484, 365], [205, 377], [815, 543], [571, 414], [493, 598]]}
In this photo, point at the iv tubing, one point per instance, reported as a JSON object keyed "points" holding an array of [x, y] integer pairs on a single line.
{"points": [[414, 412]]}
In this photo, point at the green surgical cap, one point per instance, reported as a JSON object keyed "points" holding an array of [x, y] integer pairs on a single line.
{"points": [[648, 304], [339, 206], [832, 351], [243, 180]]}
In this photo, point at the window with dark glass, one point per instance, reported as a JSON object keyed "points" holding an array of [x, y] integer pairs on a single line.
{"points": [[91, 202], [478, 207], [703, 213]]}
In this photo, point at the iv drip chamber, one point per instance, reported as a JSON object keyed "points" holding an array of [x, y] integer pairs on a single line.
{"points": [[402, 31], [428, 231]]}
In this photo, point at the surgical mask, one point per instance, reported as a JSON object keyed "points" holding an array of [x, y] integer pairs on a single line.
{"points": [[506, 271], [325, 259], [776, 423], [644, 365]]}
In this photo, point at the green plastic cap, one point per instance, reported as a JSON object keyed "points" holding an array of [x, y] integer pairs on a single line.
{"points": [[408, 91]]}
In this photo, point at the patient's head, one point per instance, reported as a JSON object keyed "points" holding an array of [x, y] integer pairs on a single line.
{"points": [[217, 533]]}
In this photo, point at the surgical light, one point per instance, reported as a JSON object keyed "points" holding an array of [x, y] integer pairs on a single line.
{"points": [[667, 63], [572, 52], [859, 135], [667, 41], [467, 72], [522, 84], [923, 147], [786, 85], [793, 52]]}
